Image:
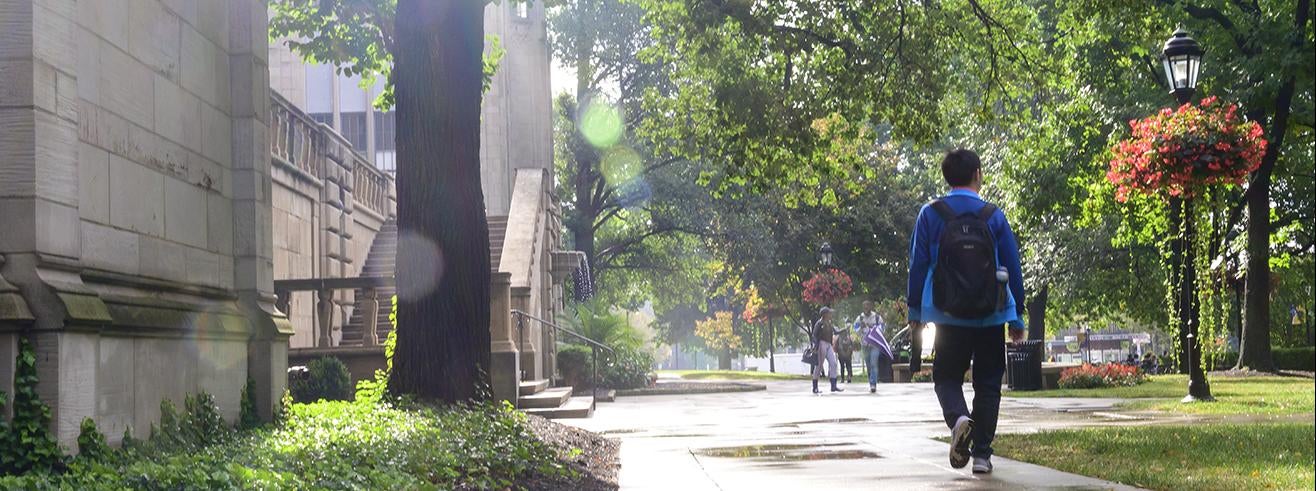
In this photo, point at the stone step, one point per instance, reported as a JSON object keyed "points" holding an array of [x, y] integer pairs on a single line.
{"points": [[576, 407], [547, 399], [531, 387]]}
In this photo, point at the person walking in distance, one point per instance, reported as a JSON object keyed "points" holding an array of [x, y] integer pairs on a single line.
{"points": [[845, 354], [964, 277], [824, 334], [874, 345]]}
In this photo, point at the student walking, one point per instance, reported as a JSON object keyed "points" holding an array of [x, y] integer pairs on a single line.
{"points": [[824, 333], [964, 276]]}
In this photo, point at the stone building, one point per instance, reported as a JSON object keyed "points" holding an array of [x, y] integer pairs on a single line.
{"points": [[331, 246], [136, 245], [153, 188]]}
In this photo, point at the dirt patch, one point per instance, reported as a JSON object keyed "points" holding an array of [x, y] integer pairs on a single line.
{"points": [[593, 458]]}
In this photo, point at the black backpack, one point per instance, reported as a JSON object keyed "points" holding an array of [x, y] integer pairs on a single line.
{"points": [[964, 283]]}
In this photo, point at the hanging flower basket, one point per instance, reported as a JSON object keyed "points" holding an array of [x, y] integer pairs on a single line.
{"points": [[826, 287], [1183, 151]]}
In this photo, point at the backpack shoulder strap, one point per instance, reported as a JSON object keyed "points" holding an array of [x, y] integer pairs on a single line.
{"points": [[943, 210], [987, 211]]}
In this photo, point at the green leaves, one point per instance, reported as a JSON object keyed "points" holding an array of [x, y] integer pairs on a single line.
{"points": [[25, 440], [353, 36]]}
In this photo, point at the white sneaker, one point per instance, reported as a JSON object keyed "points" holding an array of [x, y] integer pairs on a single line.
{"points": [[982, 465], [959, 443]]}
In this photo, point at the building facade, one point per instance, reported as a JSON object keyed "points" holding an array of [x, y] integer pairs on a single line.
{"points": [[135, 212], [516, 129]]}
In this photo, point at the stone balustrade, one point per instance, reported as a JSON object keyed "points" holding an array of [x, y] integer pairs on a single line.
{"points": [[325, 289]]}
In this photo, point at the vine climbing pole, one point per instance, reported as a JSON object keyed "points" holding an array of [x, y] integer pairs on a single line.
{"points": [[1187, 307]]}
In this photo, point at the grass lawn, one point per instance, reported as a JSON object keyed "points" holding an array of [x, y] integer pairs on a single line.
{"points": [[732, 375], [1208, 457], [1262, 395]]}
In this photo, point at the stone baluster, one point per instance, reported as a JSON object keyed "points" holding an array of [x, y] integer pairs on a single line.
{"points": [[326, 318], [283, 301], [370, 314]]}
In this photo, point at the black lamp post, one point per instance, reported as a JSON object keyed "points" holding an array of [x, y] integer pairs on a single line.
{"points": [[825, 254], [1182, 58]]}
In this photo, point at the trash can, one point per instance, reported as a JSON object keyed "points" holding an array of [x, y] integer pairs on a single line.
{"points": [[1025, 365]]}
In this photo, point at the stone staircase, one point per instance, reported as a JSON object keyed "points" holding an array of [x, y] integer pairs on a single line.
{"points": [[553, 403], [381, 262], [536, 397]]}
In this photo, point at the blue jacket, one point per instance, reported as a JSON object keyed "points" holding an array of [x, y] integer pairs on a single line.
{"points": [[922, 260]]}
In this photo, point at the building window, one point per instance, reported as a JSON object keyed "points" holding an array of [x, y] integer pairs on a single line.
{"points": [[326, 119], [385, 143], [523, 9], [354, 129]]}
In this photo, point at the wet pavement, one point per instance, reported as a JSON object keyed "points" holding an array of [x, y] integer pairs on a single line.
{"points": [[787, 438]]}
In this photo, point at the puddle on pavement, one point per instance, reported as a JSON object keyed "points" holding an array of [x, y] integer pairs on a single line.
{"points": [[822, 421], [791, 452], [620, 432]]}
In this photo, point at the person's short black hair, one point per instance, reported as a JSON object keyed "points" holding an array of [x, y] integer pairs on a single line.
{"points": [[959, 166]]}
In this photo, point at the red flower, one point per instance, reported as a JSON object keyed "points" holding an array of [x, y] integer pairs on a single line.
{"points": [[1179, 151]]}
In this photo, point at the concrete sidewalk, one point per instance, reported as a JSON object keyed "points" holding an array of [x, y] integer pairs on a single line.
{"points": [[788, 438]]}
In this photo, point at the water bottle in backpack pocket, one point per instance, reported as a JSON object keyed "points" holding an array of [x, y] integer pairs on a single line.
{"points": [[966, 282]]}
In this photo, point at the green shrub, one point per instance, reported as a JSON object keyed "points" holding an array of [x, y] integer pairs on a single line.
{"points": [[326, 378], [247, 417], [91, 443], [25, 441], [597, 321], [1300, 358], [924, 375], [628, 368], [199, 425], [573, 365], [334, 445]]}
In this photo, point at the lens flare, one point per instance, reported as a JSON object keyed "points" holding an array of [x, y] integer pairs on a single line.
{"points": [[601, 124], [420, 266], [621, 165]]}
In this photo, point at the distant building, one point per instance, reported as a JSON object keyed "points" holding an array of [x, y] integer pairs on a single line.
{"points": [[516, 130], [1101, 346]]}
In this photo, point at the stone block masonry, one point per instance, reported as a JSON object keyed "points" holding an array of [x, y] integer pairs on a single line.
{"points": [[136, 246]]}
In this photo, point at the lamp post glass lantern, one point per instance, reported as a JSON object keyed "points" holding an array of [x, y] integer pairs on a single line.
{"points": [[825, 254], [1182, 58]]}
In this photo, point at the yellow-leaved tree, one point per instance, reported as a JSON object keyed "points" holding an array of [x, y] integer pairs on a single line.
{"points": [[720, 336]]}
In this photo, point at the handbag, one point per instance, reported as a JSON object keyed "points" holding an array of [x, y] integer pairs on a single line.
{"points": [[810, 356]]}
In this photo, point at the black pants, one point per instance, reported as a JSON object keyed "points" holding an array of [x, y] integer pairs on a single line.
{"points": [[915, 350], [847, 368], [956, 347]]}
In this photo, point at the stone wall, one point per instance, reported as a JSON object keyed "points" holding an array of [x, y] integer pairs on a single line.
{"points": [[329, 203], [135, 204], [516, 130]]}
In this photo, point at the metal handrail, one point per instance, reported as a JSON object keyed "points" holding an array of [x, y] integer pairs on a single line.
{"points": [[594, 347], [587, 340]]}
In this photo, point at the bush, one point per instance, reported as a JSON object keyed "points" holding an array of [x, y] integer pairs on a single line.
{"points": [[1090, 376], [1301, 358], [628, 368], [334, 445], [924, 375], [325, 378], [573, 365], [25, 441]]}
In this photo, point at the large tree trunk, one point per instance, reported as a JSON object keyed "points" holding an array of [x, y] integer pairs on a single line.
{"points": [[724, 360], [443, 247], [1037, 313], [1254, 347]]}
